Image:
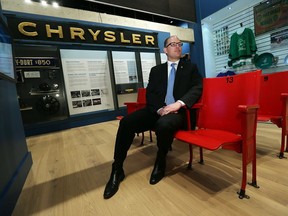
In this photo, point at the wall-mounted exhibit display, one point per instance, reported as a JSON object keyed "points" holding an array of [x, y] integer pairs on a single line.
{"points": [[124, 64], [147, 62], [128, 75], [6, 53], [279, 38], [93, 69], [242, 46], [264, 60], [270, 15], [87, 80], [222, 41], [272, 41], [40, 84]]}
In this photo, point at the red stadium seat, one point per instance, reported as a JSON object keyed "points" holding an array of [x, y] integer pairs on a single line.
{"points": [[227, 118], [140, 103], [274, 103]]}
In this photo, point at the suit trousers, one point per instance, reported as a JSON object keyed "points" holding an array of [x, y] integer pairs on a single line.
{"points": [[143, 120]]}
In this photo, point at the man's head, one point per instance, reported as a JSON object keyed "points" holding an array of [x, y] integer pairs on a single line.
{"points": [[173, 48]]}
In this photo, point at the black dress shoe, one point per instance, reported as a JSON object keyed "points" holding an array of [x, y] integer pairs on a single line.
{"points": [[158, 172], [113, 184]]}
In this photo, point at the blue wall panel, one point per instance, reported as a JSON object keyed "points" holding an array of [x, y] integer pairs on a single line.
{"points": [[15, 160]]}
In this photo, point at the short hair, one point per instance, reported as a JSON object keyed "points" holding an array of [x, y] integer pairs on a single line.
{"points": [[165, 41]]}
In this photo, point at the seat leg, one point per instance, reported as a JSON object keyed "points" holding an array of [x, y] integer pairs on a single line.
{"points": [[142, 139], [191, 157], [287, 143], [241, 193], [254, 181], [281, 154], [201, 155], [150, 133]]}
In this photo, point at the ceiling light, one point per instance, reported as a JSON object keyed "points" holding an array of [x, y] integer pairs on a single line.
{"points": [[44, 3], [55, 4], [28, 1]]}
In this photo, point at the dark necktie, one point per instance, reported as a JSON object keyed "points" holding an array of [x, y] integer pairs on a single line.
{"points": [[169, 95]]}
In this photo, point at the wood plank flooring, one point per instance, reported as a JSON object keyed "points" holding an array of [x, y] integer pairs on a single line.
{"points": [[71, 167]]}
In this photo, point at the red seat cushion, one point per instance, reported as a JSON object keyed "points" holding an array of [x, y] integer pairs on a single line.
{"points": [[208, 138]]}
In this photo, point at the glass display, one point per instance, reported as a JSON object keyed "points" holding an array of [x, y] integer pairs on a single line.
{"points": [[6, 53], [87, 80], [125, 69], [147, 62]]}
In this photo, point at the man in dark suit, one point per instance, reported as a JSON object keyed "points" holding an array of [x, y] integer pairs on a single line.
{"points": [[164, 117]]}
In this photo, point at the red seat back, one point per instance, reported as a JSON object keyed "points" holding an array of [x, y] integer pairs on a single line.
{"points": [[231, 91], [141, 98], [272, 85], [140, 103]]}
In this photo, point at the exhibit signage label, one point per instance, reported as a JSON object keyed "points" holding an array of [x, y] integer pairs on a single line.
{"points": [[40, 30], [21, 62]]}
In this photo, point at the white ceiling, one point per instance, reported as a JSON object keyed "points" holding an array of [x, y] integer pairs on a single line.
{"points": [[229, 10]]}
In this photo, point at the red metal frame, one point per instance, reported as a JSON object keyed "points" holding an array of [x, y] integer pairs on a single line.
{"points": [[227, 118], [274, 104]]}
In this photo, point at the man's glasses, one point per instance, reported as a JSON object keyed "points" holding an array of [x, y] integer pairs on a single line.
{"points": [[174, 44]]}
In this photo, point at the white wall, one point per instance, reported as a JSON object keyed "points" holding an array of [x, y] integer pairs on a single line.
{"points": [[208, 46], [241, 12]]}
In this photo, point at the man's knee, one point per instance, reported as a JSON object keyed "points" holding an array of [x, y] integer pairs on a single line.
{"points": [[166, 125], [163, 126], [131, 123], [126, 121]]}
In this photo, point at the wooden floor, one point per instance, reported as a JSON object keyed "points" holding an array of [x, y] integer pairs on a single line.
{"points": [[71, 167]]}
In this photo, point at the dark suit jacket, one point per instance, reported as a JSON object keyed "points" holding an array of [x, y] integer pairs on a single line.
{"points": [[187, 85]]}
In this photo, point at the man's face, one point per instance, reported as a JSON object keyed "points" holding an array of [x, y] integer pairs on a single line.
{"points": [[173, 49]]}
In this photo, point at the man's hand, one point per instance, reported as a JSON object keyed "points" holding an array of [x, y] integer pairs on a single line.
{"points": [[172, 108]]}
